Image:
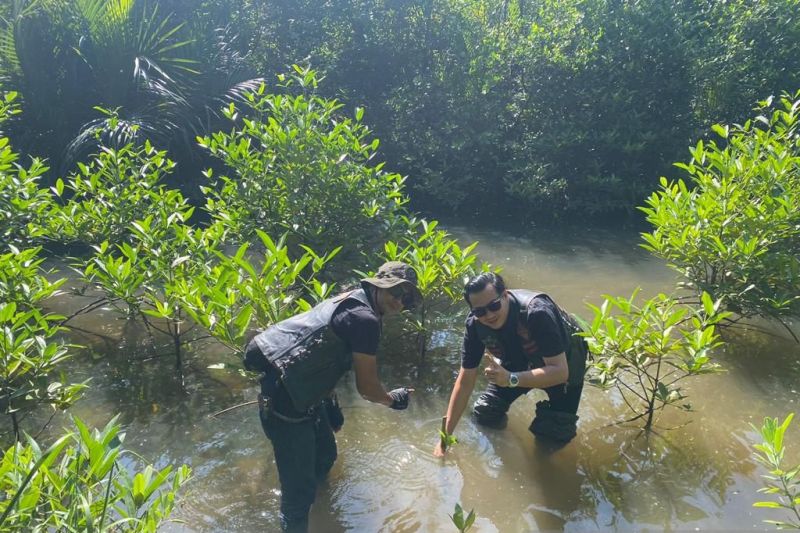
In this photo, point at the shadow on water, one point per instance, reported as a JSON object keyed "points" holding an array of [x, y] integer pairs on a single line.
{"points": [[698, 476]]}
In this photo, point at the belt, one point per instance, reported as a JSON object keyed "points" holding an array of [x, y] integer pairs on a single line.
{"points": [[265, 406]]}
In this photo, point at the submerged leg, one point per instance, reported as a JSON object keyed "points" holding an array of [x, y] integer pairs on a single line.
{"points": [[492, 405]]}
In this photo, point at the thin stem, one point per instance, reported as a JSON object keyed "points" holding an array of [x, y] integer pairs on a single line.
{"points": [[787, 328], [108, 495], [237, 406], [88, 308]]}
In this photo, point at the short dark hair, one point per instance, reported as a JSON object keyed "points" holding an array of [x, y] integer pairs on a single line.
{"points": [[481, 281]]}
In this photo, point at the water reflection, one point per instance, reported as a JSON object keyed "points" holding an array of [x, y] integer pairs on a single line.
{"points": [[700, 475]]}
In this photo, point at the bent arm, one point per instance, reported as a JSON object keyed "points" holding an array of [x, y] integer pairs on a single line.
{"points": [[554, 372], [367, 382]]}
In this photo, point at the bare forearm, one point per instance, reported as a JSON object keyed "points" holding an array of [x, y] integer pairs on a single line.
{"points": [[367, 382], [374, 393], [458, 399]]}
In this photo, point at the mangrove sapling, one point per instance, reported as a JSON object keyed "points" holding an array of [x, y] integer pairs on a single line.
{"points": [[462, 523], [102, 199], [300, 165], [173, 252], [118, 272], [442, 268], [23, 205], [30, 350], [646, 349], [732, 228], [236, 296], [445, 439], [82, 483], [782, 483]]}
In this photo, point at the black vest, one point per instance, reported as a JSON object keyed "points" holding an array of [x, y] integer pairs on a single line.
{"points": [[576, 350], [309, 357]]}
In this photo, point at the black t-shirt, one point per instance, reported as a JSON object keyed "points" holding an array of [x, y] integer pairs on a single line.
{"points": [[544, 326], [357, 325]]}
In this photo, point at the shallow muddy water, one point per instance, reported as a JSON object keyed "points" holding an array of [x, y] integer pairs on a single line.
{"points": [[696, 474]]}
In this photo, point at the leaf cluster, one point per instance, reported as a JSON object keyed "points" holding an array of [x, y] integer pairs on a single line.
{"points": [[646, 349], [300, 166], [782, 484], [461, 522], [23, 204], [733, 228], [82, 483]]}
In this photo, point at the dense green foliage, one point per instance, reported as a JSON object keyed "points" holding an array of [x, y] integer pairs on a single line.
{"points": [[23, 204], [167, 74], [82, 483], [555, 108], [783, 482], [30, 351], [733, 229], [442, 266], [646, 349], [301, 167], [549, 106]]}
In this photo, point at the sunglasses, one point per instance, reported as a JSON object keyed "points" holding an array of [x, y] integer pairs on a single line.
{"points": [[492, 306], [398, 292]]}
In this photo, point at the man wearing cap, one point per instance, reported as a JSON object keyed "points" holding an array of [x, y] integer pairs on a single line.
{"points": [[302, 358], [530, 343]]}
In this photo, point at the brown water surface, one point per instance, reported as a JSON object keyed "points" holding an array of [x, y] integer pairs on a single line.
{"points": [[698, 476]]}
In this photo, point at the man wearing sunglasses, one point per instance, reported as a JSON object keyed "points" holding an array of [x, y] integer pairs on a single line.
{"points": [[530, 343], [302, 358]]}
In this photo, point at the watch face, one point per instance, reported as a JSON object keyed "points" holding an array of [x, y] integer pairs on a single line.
{"points": [[513, 380]]}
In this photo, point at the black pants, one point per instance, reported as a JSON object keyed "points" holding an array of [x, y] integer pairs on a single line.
{"points": [[304, 454], [492, 405]]}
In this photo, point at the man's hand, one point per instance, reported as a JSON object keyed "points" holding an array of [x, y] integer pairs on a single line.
{"points": [[494, 372], [439, 451], [400, 398]]}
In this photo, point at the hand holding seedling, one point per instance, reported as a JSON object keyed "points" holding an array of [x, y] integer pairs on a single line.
{"points": [[445, 440], [494, 372]]}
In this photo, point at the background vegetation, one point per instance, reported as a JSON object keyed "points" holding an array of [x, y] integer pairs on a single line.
{"points": [[557, 108]]}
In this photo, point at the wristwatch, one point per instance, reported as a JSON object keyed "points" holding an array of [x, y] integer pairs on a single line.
{"points": [[513, 379]]}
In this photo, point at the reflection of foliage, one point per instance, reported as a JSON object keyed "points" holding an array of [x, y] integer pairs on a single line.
{"points": [[783, 484], [80, 483], [644, 350], [648, 479], [734, 230]]}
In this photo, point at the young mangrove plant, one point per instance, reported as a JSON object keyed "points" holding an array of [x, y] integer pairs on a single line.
{"points": [[645, 350], [461, 522], [783, 483], [733, 228], [299, 165], [242, 293], [30, 353], [103, 198], [82, 483], [23, 205], [442, 267]]}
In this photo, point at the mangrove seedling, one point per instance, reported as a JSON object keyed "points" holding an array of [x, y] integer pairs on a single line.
{"points": [[782, 483], [463, 524]]}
